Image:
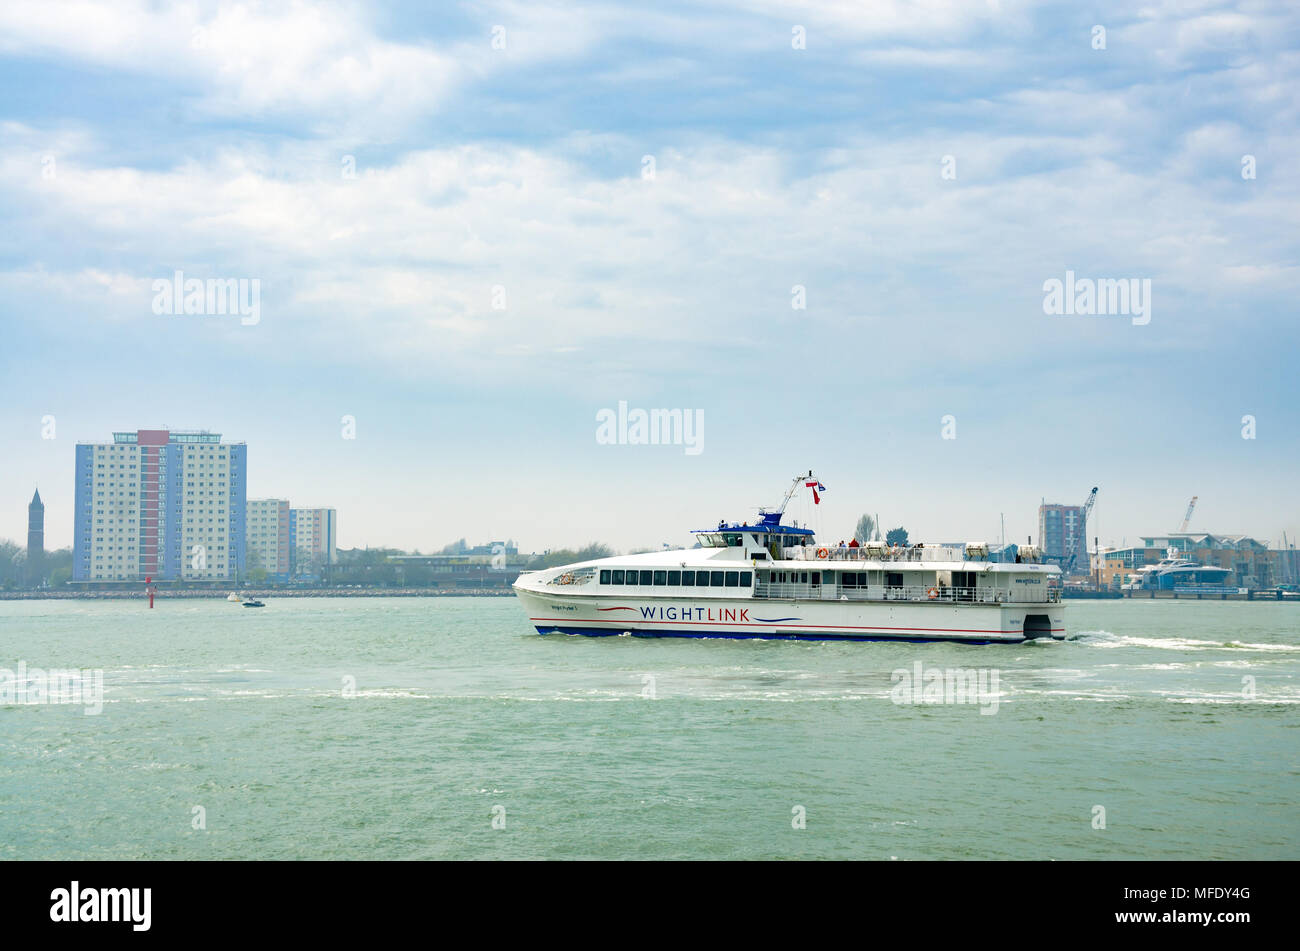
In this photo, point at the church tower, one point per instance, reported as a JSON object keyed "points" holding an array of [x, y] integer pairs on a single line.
{"points": [[36, 540]]}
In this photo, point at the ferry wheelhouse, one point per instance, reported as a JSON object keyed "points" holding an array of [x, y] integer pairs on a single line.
{"points": [[771, 580]]}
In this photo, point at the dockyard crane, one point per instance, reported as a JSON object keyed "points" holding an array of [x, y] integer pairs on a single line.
{"points": [[1188, 517], [1083, 531]]}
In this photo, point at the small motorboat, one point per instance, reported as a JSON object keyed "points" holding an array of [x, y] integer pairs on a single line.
{"points": [[234, 598], [254, 604]]}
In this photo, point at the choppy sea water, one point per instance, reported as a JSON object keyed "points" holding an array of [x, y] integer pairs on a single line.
{"points": [[643, 748]]}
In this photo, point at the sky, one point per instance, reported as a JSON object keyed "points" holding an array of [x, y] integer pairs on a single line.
{"points": [[827, 229]]}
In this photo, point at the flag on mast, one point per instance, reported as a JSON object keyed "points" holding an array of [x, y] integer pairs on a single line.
{"points": [[816, 487]]}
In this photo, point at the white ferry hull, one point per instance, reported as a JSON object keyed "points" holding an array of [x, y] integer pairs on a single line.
{"points": [[792, 620]]}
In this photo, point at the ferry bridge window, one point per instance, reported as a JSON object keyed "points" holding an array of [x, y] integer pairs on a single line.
{"points": [[733, 579], [618, 577], [604, 576], [688, 579], [646, 577], [746, 579], [661, 577], [715, 579], [674, 577]]}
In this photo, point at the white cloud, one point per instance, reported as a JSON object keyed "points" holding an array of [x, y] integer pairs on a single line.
{"points": [[245, 60], [397, 267], [925, 20], [823, 171]]}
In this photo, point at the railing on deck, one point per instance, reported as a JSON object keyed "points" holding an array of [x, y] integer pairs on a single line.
{"points": [[865, 553], [934, 553], [875, 592]]}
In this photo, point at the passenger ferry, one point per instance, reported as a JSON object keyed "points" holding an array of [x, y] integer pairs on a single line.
{"points": [[770, 580]]}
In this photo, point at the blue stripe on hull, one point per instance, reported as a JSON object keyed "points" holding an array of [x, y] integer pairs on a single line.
{"points": [[759, 635]]}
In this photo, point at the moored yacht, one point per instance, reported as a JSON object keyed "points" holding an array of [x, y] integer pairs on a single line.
{"points": [[1175, 571], [772, 580]]}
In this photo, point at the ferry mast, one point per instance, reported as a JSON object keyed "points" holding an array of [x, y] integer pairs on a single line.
{"points": [[794, 487]]}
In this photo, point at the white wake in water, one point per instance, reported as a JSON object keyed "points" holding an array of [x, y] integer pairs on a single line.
{"points": [[1109, 639]]}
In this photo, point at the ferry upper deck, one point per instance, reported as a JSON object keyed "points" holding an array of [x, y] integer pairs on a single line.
{"points": [[767, 560], [750, 562]]}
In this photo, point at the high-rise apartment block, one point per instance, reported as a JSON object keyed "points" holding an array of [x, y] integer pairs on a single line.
{"points": [[160, 504], [1062, 533]]}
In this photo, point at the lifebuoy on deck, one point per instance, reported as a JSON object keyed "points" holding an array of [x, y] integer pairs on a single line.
{"points": [[822, 553], [932, 593]]}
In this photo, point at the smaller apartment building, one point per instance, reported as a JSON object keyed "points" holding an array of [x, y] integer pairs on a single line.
{"points": [[268, 539], [313, 542]]}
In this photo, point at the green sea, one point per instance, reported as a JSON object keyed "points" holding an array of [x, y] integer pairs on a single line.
{"points": [[446, 728]]}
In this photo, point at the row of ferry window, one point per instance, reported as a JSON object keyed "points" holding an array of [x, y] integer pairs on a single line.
{"points": [[685, 579]]}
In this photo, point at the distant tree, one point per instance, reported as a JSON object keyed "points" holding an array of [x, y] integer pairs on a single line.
{"points": [[12, 562], [896, 536], [365, 556], [254, 571], [565, 556], [866, 528], [458, 547], [58, 567]]}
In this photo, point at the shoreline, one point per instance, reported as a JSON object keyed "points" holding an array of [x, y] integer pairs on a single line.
{"points": [[268, 593]]}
